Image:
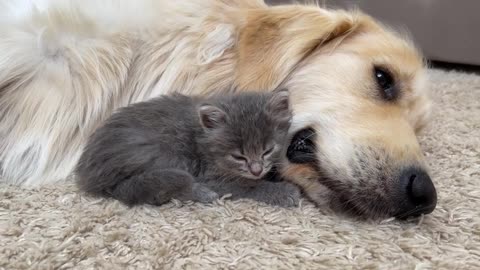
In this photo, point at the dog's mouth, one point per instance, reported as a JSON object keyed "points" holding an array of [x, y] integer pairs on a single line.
{"points": [[361, 207], [376, 201], [301, 149], [354, 202]]}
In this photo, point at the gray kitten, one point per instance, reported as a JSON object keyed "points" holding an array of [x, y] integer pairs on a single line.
{"points": [[191, 148]]}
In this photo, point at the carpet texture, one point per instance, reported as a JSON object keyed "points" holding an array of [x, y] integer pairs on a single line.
{"points": [[55, 227]]}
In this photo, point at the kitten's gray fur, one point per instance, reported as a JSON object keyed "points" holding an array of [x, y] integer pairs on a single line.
{"points": [[191, 148]]}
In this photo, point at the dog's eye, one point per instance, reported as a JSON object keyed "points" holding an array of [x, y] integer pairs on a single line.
{"points": [[302, 147], [385, 83]]}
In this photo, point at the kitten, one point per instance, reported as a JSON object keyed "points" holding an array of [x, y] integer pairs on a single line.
{"points": [[191, 148]]}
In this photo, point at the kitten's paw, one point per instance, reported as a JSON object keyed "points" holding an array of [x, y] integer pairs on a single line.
{"points": [[289, 195], [203, 194], [282, 194]]}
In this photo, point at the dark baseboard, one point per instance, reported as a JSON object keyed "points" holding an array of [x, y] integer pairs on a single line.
{"points": [[455, 66]]}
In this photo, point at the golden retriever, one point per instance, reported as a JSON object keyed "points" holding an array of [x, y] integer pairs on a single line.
{"points": [[357, 89]]}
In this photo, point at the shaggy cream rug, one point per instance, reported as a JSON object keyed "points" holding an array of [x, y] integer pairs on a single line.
{"points": [[57, 228]]}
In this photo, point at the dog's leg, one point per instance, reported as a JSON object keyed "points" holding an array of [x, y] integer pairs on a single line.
{"points": [[59, 78]]}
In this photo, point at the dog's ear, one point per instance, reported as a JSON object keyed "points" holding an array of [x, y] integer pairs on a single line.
{"points": [[276, 39]]}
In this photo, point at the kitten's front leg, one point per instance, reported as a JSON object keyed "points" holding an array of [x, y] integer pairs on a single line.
{"points": [[158, 186], [281, 193], [275, 193], [201, 193]]}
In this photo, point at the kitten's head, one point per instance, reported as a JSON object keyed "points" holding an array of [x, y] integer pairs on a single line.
{"points": [[245, 134]]}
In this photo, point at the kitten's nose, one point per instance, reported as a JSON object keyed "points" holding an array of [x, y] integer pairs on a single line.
{"points": [[255, 168]]}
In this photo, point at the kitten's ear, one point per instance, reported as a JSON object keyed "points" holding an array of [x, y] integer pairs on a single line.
{"points": [[211, 116], [279, 104]]}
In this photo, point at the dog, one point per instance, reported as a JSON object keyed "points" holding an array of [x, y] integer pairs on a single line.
{"points": [[358, 89]]}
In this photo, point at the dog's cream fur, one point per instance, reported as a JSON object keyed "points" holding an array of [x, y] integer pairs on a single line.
{"points": [[67, 65]]}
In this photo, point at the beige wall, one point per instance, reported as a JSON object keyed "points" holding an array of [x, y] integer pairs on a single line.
{"points": [[445, 30]]}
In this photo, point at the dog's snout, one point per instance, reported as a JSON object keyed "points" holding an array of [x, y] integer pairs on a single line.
{"points": [[420, 188], [420, 196]]}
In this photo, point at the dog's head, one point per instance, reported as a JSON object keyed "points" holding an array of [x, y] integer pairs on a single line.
{"points": [[359, 97]]}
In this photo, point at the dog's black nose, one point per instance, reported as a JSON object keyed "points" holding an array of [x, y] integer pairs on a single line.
{"points": [[420, 196]]}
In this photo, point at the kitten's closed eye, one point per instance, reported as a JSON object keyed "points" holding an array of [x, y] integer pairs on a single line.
{"points": [[268, 152], [239, 158]]}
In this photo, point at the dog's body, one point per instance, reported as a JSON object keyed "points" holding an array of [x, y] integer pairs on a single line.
{"points": [[67, 65]]}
